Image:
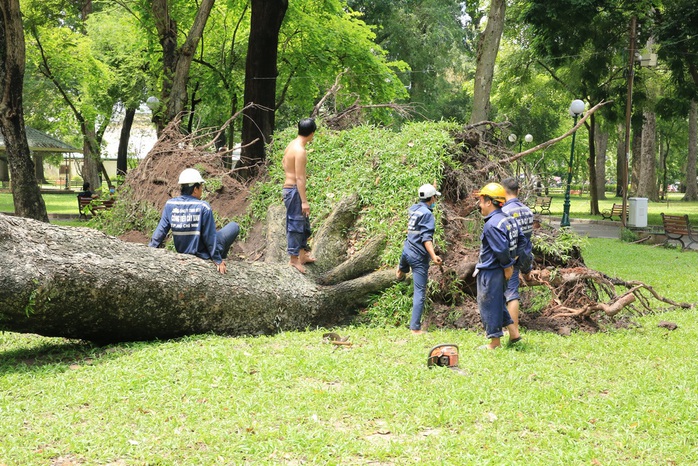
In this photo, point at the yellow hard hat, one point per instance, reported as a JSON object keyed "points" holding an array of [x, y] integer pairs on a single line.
{"points": [[494, 191]]}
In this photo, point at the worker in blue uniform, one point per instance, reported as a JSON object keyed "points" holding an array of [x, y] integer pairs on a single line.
{"points": [[418, 250], [524, 218], [498, 251], [192, 223]]}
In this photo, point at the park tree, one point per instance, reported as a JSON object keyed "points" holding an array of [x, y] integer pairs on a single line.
{"points": [[587, 58], [176, 59], [436, 38], [25, 191], [260, 79], [679, 49], [487, 49], [62, 54]]}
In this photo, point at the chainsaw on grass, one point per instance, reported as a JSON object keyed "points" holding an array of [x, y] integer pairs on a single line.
{"points": [[445, 355]]}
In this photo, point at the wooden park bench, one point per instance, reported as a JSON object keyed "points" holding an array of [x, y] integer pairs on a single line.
{"points": [[615, 211], [542, 205], [93, 205], [678, 228]]}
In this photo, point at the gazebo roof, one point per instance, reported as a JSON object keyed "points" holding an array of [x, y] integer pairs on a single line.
{"points": [[42, 142]]}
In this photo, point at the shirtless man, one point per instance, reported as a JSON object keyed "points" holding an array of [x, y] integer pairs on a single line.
{"points": [[295, 197]]}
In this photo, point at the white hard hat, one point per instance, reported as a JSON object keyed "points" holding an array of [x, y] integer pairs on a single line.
{"points": [[427, 190], [190, 176]]}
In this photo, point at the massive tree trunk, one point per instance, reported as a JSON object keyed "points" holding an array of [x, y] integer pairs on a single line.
{"points": [[601, 144], [647, 179], [81, 283], [487, 49], [691, 171], [122, 152], [25, 192], [260, 80]]}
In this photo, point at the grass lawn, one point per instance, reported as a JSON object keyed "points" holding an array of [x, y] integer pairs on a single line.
{"points": [[622, 396], [55, 203], [579, 207]]}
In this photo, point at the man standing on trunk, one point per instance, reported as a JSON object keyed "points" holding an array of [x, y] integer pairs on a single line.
{"points": [[295, 196]]}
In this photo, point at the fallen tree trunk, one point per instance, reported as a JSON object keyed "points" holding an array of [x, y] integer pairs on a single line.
{"points": [[80, 283]]}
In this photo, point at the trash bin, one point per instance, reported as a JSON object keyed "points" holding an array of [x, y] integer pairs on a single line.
{"points": [[637, 212]]}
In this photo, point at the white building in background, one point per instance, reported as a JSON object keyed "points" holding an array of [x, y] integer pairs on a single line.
{"points": [[143, 137]]}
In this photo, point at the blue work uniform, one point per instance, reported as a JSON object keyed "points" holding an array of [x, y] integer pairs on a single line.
{"points": [[297, 225], [524, 218], [420, 228], [498, 250], [194, 229]]}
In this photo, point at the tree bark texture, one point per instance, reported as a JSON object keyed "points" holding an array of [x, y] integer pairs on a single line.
{"points": [[122, 152], [591, 166], [601, 143], [636, 163], [487, 49], [621, 161], [81, 283], [260, 80], [691, 171], [647, 179], [25, 192]]}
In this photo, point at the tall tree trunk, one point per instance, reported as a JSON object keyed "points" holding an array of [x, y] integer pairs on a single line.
{"points": [[647, 181], [4, 170], [260, 80], [664, 146], [636, 155], [621, 161], [39, 174], [487, 49], [591, 165], [25, 192], [601, 143], [176, 62], [691, 172], [90, 157], [122, 152]]}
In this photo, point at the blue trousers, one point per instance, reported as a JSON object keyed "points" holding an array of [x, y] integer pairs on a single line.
{"points": [[420, 275], [512, 291], [297, 225], [491, 285], [225, 237]]}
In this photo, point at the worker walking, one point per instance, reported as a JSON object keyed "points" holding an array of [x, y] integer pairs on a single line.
{"points": [[418, 250]]}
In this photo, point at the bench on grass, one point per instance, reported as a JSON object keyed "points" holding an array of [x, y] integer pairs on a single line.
{"points": [[615, 211], [542, 205], [678, 228], [93, 205]]}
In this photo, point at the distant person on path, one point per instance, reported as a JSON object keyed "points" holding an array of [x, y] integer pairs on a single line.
{"points": [[498, 250], [524, 218], [295, 196], [85, 190], [192, 223], [418, 249]]}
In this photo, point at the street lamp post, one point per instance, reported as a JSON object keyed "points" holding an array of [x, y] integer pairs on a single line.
{"points": [[512, 138], [576, 109]]}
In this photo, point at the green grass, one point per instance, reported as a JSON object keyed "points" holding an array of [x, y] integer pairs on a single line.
{"points": [[579, 207], [625, 396], [55, 203]]}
